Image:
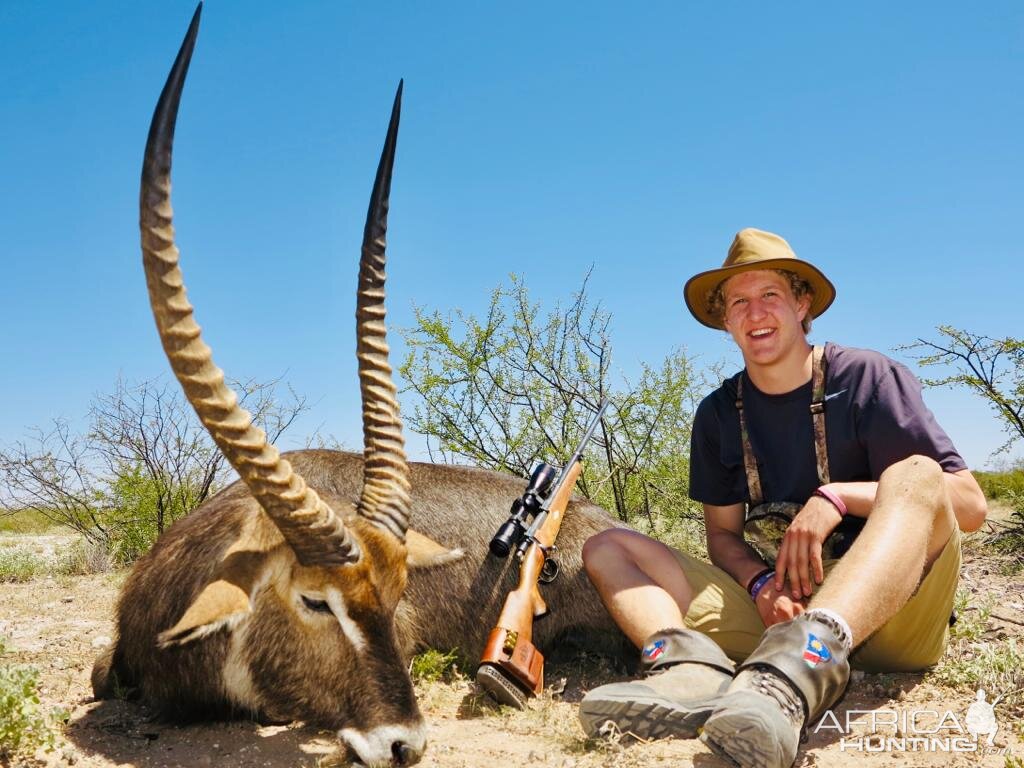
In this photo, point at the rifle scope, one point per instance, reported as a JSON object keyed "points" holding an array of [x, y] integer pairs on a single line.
{"points": [[528, 505]]}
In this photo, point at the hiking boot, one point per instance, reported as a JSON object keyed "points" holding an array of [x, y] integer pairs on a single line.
{"points": [[797, 672], [684, 670]]}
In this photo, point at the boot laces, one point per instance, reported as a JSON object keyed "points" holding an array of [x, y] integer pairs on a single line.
{"points": [[656, 671], [772, 685]]}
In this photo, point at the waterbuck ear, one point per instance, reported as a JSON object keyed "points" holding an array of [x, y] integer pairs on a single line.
{"points": [[222, 603], [424, 552]]}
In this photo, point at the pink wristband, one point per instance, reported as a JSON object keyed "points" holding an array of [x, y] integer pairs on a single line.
{"points": [[833, 499]]}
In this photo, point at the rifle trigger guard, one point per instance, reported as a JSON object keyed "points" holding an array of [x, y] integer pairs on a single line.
{"points": [[548, 552], [548, 571]]}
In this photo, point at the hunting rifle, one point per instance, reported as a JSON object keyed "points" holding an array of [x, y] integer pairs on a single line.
{"points": [[511, 668]]}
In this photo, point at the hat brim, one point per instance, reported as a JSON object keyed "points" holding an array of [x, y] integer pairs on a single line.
{"points": [[699, 287]]}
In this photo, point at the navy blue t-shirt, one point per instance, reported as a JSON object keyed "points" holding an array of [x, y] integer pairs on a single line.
{"points": [[874, 417]]}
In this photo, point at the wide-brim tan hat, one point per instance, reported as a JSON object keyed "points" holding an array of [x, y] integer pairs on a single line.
{"points": [[755, 249]]}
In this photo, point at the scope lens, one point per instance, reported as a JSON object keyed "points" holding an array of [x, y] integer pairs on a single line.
{"points": [[503, 540]]}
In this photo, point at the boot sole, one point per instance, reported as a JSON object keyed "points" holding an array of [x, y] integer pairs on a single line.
{"points": [[743, 742], [644, 717]]}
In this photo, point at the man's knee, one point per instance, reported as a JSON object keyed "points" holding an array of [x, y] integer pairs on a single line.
{"points": [[602, 547], [914, 469], [616, 549], [915, 491], [915, 478]]}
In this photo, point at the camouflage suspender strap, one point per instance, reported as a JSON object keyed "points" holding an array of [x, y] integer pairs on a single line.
{"points": [[817, 418], [818, 412], [749, 462]]}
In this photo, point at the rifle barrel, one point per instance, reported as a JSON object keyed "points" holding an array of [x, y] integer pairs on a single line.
{"points": [[541, 516], [580, 447]]}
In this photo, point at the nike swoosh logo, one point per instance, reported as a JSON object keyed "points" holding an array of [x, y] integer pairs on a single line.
{"points": [[835, 394]]}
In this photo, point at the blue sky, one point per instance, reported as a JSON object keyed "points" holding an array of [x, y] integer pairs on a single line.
{"points": [[882, 140]]}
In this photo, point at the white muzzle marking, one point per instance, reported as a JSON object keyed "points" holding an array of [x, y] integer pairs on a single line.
{"points": [[376, 748]]}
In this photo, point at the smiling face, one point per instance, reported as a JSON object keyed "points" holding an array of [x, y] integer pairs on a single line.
{"points": [[764, 318]]}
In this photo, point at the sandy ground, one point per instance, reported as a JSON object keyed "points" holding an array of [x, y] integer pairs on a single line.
{"points": [[57, 625]]}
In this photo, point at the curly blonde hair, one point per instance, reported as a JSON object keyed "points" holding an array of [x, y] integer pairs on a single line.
{"points": [[799, 287]]}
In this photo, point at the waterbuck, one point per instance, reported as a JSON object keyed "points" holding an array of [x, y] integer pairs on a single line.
{"points": [[299, 592]]}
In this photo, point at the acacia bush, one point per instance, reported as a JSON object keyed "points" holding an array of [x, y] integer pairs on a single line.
{"points": [[143, 461], [518, 385], [991, 367], [136, 515]]}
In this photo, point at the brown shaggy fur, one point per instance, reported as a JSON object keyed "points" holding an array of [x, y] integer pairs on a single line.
{"points": [[302, 668]]}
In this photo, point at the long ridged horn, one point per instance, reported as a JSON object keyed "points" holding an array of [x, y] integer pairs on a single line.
{"points": [[385, 499], [316, 534]]}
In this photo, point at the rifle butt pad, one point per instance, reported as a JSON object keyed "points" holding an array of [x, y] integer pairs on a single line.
{"points": [[500, 686], [518, 662]]}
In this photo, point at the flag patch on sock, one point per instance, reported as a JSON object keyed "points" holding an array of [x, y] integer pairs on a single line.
{"points": [[816, 652], [653, 650]]}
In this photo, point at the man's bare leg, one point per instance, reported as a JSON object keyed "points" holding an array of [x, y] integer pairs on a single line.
{"points": [[646, 592], [909, 526], [639, 580], [800, 668]]}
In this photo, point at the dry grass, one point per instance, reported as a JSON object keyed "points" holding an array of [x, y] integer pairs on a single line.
{"points": [[25, 558], [24, 521], [467, 729]]}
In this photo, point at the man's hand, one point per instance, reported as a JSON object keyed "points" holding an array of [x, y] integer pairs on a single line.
{"points": [[775, 605], [800, 553]]}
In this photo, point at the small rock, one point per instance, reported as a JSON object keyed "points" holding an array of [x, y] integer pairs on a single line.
{"points": [[101, 641], [67, 599]]}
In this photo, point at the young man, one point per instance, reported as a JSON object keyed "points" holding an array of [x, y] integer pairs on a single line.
{"points": [[836, 449]]}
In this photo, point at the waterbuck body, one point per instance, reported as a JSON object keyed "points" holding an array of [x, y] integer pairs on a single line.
{"points": [[451, 601], [298, 592]]}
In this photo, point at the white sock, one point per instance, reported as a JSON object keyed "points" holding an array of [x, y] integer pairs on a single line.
{"points": [[836, 622]]}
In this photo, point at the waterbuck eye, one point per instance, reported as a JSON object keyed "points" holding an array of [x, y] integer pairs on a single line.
{"points": [[317, 606]]}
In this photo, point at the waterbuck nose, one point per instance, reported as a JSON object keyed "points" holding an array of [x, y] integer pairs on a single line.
{"points": [[387, 745], [403, 753]]}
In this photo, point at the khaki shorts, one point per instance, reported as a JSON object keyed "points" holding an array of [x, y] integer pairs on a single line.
{"points": [[913, 639]]}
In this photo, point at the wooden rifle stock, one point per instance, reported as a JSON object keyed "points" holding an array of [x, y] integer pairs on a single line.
{"points": [[511, 668]]}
